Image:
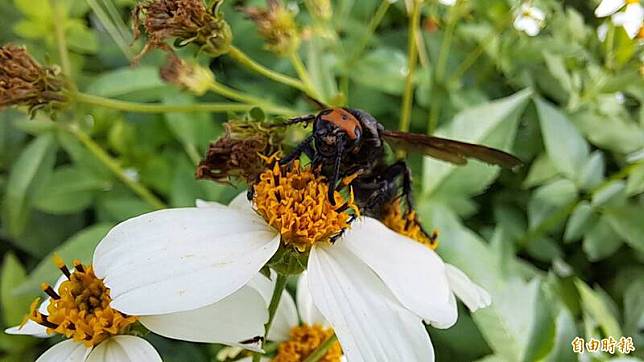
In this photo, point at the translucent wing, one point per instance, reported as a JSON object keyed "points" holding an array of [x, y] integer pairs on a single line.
{"points": [[449, 150]]}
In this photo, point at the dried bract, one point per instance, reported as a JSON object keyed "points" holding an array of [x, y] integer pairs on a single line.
{"points": [[24, 82], [188, 21], [189, 76], [277, 26], [240, 152]]}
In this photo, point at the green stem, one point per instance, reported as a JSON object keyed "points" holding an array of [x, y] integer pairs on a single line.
{"points": [[163, 108], [114, 166], [473, 56], [249, 63], [412, 59], [322, 349], [59, 33], [375, 21], [233, 94], [297, 63], [280, 285]]}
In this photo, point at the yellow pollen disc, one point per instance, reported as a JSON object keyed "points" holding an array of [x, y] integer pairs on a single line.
{"points": [[80, 309], [294, 201], [407, 224], [632, 1], [303, 340]]}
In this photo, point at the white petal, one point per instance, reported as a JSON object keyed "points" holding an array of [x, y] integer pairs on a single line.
{"points": [[67, 350], [602, 31], [124, 349], [239, 317], [308, 311], [286, 314], [370, 323], [607, 7], [527, 25], [466, 290], [180, 259], [32, 328], [241, 202], [447, 2], [633, 17], [204, 203], [537, 14], [414, 273]]}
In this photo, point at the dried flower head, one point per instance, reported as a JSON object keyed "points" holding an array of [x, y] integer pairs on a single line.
{"points": [[189, 76], [189, 21], [277, 26], [240, 151], [24, 82]]}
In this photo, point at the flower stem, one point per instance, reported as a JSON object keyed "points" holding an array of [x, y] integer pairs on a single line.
{"points": [[412, 59], [297, 63], [59, 33], [233, 94], [114, 166], [362, 45], [441, 65], [322, 349], [249, 63], [163, 108], [280, 285]]}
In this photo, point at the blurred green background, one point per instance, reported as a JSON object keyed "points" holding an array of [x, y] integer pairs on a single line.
{"points": [[559, 244]]}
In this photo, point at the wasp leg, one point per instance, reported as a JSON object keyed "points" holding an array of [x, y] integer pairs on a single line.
{"points": [[400, 168], [384, 187], [303, 119], [336, 172], [302, 147]]}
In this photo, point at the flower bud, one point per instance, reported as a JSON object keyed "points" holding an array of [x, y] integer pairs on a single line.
{"points": [[240, 151], [186, 20], [277, 26], [189, 76], [24, 82]]}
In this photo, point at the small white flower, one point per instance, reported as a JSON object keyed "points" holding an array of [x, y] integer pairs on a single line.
{"points": [[447, 2], [602, 31], [107, 330], [631, 18], [529, 19]]}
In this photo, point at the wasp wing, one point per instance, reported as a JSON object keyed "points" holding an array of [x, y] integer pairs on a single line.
{"points": [[449, 150]]}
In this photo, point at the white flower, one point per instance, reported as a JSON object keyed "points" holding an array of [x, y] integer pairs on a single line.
{"points": [[529, 19], [374, 286], [631, 18], [447, 2], [235, 321]]}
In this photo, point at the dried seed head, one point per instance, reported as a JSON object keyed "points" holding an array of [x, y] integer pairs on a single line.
{"points": [[277, 26], [189, 76], [189, 21], [24, 82], [239, 152]]}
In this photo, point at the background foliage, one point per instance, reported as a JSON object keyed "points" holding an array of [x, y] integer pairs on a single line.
{"points": [[559, 244]]}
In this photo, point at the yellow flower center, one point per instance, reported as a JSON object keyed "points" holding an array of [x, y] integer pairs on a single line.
{"points": [[303, 341], [632, 1], [407, 224], [294, 201], [80, 309]]}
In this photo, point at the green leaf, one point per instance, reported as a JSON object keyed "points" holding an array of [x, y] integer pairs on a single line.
{"points": [[69, 190], [633, 307], [493, 124], [592, 173], [611, 194], [548, 198], [542, 170], [627, 221], [580, 218], [383, 69], [13, 274], [566, 147], [593, 304], [566, 332], [32, 167], [126, 80], [600, 241], [635, 183], [80, 246]]}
